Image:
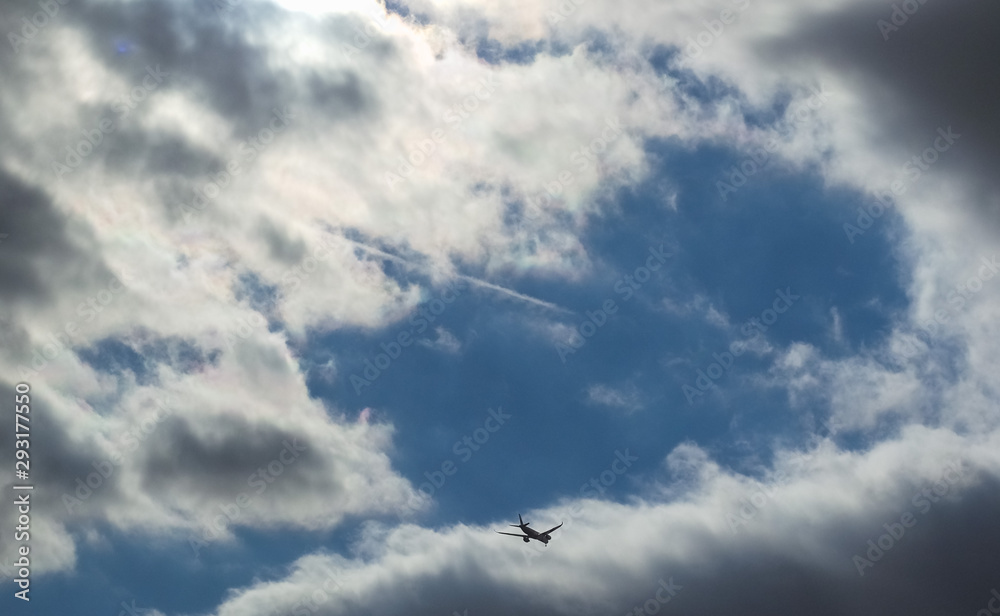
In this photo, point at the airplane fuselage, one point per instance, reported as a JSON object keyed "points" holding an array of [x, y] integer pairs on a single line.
{"points": [[534, 534]]}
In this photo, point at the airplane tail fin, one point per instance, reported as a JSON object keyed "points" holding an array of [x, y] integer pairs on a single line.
{"points": [[519, 520]]}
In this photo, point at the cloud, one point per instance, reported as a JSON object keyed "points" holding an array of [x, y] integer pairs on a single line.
{"points": [[169, 458], [44, 253], [916, 79], [626, 399], [445, 341], [498, 116], [793, 551], [698, 303]]}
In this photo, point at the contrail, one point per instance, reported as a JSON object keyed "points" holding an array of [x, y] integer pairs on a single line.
{"points": [[471, 279], [512, 293]]}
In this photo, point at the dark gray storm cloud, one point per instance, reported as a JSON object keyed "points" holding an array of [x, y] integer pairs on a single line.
{"points": [[211, 52], [942, 562], [197, 46], [216, 458], [146, 154], [932, 68], [61, 461], [221, 58], [280, 244], [43, 253]]}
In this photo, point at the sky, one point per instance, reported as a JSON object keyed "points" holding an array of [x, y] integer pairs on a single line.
{"points": [[301, 301]]}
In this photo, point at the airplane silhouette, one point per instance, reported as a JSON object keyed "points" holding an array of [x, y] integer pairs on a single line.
{"points": [[530, 533]]}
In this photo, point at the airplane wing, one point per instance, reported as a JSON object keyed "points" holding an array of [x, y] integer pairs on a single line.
{"points": [[511, 534], [552, 529]]}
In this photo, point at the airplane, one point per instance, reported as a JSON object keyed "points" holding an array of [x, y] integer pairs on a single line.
{"points": [[530, 533]]}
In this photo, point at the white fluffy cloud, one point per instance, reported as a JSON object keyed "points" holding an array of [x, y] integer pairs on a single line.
{"points": [[720, 536]]}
